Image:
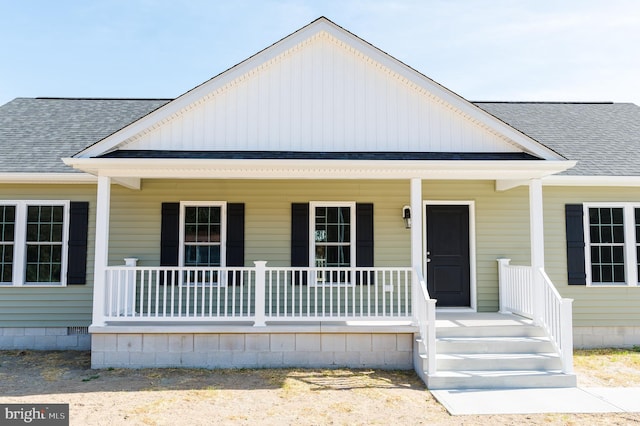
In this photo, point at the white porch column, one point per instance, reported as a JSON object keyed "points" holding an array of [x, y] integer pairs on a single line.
{"points": [[416, 225], [416, 237], [103, 206], [536, 226]]}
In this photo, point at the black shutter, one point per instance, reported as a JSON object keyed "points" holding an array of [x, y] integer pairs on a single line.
{"points": [[300, 234], [364, 240], [575, 244], [78, 231], [235, 234], [170, 234], [300, 238], [364, 234]]}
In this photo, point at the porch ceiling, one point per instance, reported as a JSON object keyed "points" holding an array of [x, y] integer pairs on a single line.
{"points": [[178, 168]]}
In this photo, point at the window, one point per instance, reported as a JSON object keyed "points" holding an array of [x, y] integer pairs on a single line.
{"points": [[333, 246], [7, 235], [637, 217], [45, 226], [202, 233], [612, 244], [33, 242]]}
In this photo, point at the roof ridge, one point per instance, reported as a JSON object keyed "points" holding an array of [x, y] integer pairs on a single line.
{"points": [[547, 102], [99, 99]]}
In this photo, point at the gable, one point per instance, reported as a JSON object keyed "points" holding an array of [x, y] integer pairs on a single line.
{"points": [[321, 89], [320, 96]]}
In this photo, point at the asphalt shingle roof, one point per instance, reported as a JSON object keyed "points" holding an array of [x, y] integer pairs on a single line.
{"points": [[35, 133], [603, 137]]}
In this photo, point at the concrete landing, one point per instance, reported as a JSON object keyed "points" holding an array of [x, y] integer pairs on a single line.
{"points": [[536, 401]]}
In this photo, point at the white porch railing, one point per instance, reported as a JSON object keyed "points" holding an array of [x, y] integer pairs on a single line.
{"points": [[520, 291], [426, 318], [340, 294], [179, 293], [257, 294]]}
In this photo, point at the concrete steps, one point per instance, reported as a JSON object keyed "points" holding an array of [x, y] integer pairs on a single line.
{"points": [[480, 351]]}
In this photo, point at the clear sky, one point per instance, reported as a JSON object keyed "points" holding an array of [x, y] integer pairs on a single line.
{"points": [[507, 50]]}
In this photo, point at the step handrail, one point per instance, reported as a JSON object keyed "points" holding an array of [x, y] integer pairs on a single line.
{"points": [[557, 319], [426, 318]]}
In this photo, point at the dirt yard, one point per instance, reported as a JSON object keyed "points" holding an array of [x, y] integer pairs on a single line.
{"points": [[269, 397]]}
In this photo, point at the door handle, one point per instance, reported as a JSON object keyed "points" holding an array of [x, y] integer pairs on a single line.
{"points": [[428, 253]]}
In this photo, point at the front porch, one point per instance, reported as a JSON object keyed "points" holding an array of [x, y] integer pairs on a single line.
{"points": [[334, 317]]}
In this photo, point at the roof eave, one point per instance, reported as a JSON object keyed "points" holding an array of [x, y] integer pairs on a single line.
{"points": [[317, 169], [564, 180], [47, 178]]}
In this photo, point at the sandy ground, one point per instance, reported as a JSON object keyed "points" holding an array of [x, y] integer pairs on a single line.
{"points": [[265, 397]]}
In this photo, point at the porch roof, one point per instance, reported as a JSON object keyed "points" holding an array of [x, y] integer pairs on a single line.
{"points": [[129, 171]]}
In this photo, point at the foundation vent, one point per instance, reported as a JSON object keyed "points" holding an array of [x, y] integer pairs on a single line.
{"points": [[72, 331]]}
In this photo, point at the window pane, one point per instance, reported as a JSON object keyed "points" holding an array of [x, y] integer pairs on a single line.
{"points": [[190, 214], [618, 254], [203, 233], [8, 233], [203, 215], [32, 232], [214, 233], [33, 213], [46, 214], [44, 232], [56, 255], [32, 253], [617, 216], [7, 221], [190, 233], [6, 263], [321, 256], [58, 214]]}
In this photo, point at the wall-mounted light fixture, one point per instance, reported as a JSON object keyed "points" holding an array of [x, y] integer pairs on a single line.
{"points": [[406, 215]]}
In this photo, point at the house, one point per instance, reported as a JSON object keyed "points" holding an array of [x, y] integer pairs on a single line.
{"points": [[321, 204]]}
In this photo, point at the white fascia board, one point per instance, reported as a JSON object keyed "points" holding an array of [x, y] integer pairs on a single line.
{"points": [[562, 180], [48, 178], [317, 169]]}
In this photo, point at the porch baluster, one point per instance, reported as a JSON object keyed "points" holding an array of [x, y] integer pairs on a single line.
{"points": [[260, 293]]}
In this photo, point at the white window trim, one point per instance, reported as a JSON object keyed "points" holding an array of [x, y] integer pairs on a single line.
{"points": [[312, 236], [223, 233], [20, 242], [630, 266]]}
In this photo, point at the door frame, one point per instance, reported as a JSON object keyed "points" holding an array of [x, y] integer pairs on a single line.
{"points": [[472, 246]]}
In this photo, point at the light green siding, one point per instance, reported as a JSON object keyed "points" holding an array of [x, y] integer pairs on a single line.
{"points": [[592, 306], [135, 215], [502, 219], [501, 230], [50, 306]]}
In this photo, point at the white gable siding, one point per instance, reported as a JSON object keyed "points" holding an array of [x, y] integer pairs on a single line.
{"points": [[321, 95]]}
